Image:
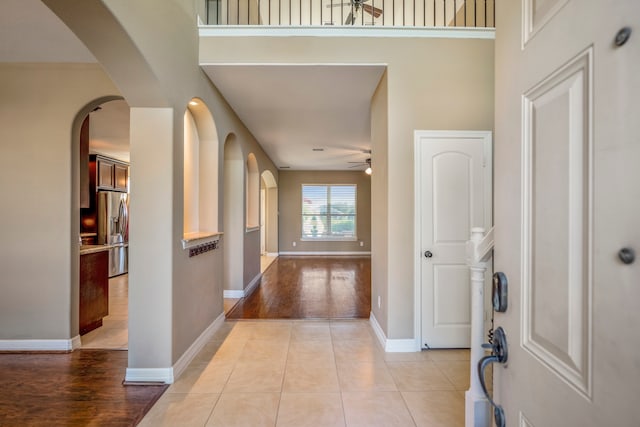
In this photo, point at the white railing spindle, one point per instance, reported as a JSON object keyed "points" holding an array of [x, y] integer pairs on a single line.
{"points": [[479, 252]]}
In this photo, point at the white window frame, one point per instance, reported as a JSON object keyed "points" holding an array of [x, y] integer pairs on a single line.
{"points": [[328, 215]]}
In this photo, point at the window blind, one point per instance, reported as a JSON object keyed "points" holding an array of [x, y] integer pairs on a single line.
{"points": [[329, 212]]}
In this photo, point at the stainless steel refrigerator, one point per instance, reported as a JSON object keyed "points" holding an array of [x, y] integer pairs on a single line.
{"points": [[113, 229]]}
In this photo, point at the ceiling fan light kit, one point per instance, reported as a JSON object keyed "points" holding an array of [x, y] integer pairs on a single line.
{"points": [[367, 162]]}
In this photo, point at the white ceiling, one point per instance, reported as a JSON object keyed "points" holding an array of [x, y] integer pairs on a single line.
{"points": [[290, 109], [109, 130]]}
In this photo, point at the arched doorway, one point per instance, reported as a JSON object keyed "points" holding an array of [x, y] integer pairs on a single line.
{"points": [[102, 142]]}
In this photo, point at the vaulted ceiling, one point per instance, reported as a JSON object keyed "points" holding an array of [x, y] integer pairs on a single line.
{"points": [[306, 117]]}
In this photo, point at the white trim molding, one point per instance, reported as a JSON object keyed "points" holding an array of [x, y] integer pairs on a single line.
{"points": [[252, 284], [149, 375], [233, 293], [392, 345], [41, 345], [169, 375], [327, 253], [198, 344], [342, 31], [241, 293]]}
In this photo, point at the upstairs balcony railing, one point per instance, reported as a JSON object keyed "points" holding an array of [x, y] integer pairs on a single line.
{"points": [[388, 13]]}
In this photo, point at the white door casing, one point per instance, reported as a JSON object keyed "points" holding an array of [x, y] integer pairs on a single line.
{"points": [[567, 199], [453, 195]]}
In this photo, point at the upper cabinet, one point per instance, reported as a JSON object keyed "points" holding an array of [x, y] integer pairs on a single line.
{"points": [[111, 174], [121, 177]]}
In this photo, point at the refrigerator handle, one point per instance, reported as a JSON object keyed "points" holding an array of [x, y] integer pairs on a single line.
{"points": [[121, 218]]}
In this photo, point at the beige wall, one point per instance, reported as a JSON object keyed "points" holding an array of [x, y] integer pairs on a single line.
{"points": [[40, 221], [290, 205], [380, 203], [432, 83]]}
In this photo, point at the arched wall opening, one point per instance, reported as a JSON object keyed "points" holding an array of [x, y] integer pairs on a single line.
{"points": [[233, 218], [268, 214], [253, 192], [85, 141], [200, 170]]}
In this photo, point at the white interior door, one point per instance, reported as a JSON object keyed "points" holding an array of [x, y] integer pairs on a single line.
{"points": [[453, 188], [567, 174]]}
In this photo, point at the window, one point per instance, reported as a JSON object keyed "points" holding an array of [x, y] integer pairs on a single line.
{"points": [[329, 212]]}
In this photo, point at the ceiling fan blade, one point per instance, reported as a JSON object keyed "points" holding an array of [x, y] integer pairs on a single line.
{"points": [[376, 12], [350, 19]]}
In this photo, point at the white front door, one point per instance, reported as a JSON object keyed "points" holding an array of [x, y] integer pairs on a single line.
{"points": [[453, 189], [567, 202]]}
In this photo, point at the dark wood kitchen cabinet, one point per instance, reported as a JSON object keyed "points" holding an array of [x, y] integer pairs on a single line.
{"points": [[110, 174], [105, 173], [120, 177], [94, 290]]}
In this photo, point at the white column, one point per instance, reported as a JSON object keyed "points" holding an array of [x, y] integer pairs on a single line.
{"points": [[477, 407]]}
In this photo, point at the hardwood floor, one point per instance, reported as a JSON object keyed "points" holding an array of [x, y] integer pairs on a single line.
{"points": [[82, 388], [310, 288]]}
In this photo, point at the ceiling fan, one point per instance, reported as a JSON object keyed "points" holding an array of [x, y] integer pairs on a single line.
{"points": [[366, 163], [356, 5]]}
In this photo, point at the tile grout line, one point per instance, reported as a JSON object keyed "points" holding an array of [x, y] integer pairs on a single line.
{"points": [[335, 363]]}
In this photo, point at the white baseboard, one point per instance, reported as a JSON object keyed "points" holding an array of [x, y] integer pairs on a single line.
{"points": [[328, 253], [169, 375], [272, 254], [149, 375], [378, 330], [194, 349], [252, 285], [401, 346], [40, 345], [392, 345], [233, 293], [76, 342]]}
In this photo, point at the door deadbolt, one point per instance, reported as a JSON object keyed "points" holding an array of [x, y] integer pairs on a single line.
{"points": [[499, 292], [428, 254]]}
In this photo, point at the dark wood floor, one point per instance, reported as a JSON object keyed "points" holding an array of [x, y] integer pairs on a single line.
{"points": [[83, 388], [310, 288]]}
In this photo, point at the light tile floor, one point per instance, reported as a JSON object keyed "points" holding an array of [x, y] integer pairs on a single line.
{"points": [[114, 332], [313, 373]]}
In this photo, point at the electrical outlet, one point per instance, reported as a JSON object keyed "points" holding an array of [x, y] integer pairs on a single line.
{"points": [[361, 243], [294, 244], [379, 301]]}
